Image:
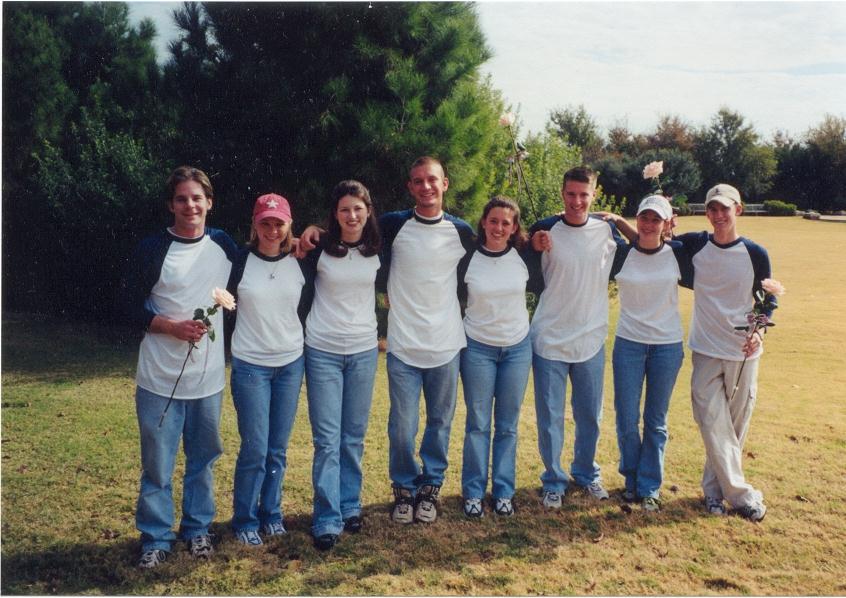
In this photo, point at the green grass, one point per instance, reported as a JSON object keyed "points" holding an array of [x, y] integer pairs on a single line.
{"points": [[70, 472]]}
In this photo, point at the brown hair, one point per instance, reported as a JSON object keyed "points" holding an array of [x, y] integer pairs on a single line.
{"points": [[371, 239], [581, 174], [188, 173], [423, 160], [518, 238]]}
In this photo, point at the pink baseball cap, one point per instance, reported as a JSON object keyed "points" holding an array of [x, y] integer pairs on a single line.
{"points": [[271, 206]]}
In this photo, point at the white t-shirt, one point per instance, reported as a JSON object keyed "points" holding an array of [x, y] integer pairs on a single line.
{"points": [[342, 319], [571, 320], [190, 270], [724, 282], [268, 331], [424, 320], [496, 298], [649, 297]]}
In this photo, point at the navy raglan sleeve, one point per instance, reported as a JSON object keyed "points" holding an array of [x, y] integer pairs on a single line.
{"points": [[230, 248], [389, 225], [143, 271], [308, 266], [685, 262], [235, 274], [762, 270], [532, 258], [462, 273], [619, 260]]}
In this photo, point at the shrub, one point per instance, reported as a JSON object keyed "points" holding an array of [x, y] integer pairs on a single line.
{"points": [[775, 207]]}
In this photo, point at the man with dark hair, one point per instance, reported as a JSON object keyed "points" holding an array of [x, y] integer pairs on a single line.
{"points": [[568, 333]]}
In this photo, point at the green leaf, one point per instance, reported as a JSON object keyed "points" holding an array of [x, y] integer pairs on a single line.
{"points": [[212, 310], [199, 314], [207, 322], [211, 334]]}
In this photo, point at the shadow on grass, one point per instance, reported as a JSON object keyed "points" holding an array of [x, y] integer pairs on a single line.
{"points": [[446, 547], [29, 354]]}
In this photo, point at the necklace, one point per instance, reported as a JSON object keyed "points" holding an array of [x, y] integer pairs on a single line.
{"points": [[272, 275]]}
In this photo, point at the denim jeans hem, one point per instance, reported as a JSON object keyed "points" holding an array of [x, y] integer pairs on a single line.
{"points": [[327, 529]]}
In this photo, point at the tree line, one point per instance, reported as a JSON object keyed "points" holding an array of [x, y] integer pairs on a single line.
{"points": [[291, 98]]}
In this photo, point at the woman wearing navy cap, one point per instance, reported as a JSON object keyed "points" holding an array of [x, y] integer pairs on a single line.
{"points": [[267, 367]]}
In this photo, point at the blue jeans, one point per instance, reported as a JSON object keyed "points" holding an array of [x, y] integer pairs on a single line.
{"points": [[266, 402], [550, 378], [642, 462], [439, 387], [340, 390], [494, 381], [196, 422]]}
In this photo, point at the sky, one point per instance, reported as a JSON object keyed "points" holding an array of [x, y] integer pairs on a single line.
{"points": [[782, 65]]}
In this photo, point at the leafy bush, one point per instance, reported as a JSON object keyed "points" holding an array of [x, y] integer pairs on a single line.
{"points": [[776, 207]]}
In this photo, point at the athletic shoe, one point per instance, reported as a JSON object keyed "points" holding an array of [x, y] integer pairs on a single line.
{"points": [[628, 495], [426, 503], [552, 500], [504, 507], [754, 512], [248, 537], [353, 524], [650, 504], [715, 506], [595, 490], [276, 528], [403, 511], [473, 508], [325, 542], [200, 547], [152, 559]]}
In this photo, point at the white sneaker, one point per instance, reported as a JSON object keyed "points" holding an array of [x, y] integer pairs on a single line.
{"points": [[754, 512], [152, 559], [426, 503], [403, 511], [715, 506], [277, 528], [595, 490], [504, 507], [473, 508], [200, 547], [552, 500], [248, 537]]}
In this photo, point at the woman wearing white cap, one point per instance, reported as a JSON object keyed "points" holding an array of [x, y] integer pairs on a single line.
{"points": [[267, 367], [648, 347]]}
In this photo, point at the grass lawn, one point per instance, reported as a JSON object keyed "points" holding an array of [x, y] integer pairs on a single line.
{"points": [[70, 470]]}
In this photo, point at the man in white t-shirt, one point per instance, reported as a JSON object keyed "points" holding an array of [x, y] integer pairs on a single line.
{"points": [[421, 250], [568, 333], [728, 270]]}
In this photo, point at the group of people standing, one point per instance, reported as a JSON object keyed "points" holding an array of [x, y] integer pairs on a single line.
{"points": [[430, 263]]}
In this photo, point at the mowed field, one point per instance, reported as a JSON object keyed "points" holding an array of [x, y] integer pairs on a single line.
{"points": [[70, 470]]}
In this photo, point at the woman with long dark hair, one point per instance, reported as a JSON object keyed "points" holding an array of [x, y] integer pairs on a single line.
{"points": [[341, 355]]}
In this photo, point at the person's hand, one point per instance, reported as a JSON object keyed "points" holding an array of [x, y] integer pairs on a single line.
{"points": [[608, 216], [297, 249], [309, 239], [542, 241], [187, 330], [753, 343]]}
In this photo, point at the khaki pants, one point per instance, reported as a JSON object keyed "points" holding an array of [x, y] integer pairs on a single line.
{"points": [[724, 424]]}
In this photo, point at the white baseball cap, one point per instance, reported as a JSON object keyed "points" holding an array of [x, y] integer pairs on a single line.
{"points": [[658, 204], [725, 194]]}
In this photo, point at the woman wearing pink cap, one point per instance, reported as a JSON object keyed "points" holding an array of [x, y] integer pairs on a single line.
{"points": [[267, 367]]}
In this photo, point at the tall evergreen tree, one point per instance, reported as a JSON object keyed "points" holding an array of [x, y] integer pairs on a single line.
{"points": [[295, 97]]}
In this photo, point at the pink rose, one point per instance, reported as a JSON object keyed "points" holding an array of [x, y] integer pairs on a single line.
{"points": [[653, 169], [507, 119], [223, 298], [772, 286]]}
